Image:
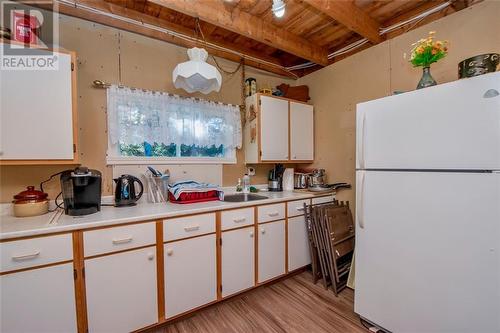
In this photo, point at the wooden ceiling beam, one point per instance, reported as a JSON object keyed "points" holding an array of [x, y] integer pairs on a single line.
{"points": [[238, 21], [109, 8], [347, 13]]}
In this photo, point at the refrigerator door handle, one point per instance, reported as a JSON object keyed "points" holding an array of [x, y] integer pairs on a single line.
{"points": [[361, 203], [362, 143]]}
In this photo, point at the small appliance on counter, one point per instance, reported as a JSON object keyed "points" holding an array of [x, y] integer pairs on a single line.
{"points": [[275, 181], [125, 193], [81, 191], [30, 202]]}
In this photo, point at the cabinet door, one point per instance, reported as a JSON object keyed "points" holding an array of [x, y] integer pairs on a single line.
{"points": [[190, 274], [271, 246], [37, 101], [238, 260], [298, 243], [39, 300], [122, 291], [274, 129], [301, 132]]}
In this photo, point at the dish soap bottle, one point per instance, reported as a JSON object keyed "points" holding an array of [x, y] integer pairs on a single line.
{"points": [[246, 183], [238, 187]]}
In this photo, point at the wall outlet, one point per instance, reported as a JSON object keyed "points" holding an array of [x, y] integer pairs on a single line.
{"points": [[251, 171]]}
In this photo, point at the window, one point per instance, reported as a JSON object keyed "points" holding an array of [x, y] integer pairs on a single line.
{"points": [[148, 127]]}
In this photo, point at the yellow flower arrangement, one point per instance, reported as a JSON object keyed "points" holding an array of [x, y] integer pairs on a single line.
{"points": [[427, 51]]}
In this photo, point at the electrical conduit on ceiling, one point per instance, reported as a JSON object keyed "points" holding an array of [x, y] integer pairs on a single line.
{"points": [[305, 65]]}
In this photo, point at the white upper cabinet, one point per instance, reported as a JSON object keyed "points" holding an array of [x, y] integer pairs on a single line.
{"points": [[301, 132], [278, 130], [37, 113], [273, 129]]}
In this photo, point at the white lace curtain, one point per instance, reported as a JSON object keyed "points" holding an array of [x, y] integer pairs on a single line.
{"points": [[137, 117]]}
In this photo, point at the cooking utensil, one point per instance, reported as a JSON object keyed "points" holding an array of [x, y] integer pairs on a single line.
{"points": [[300, 180], [30, 202], [317, 177], [478, 65]]}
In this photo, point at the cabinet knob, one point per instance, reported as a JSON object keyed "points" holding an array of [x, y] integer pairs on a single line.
{"points": [[262, 231], [251, 233], [170, 252], [151, 256]]}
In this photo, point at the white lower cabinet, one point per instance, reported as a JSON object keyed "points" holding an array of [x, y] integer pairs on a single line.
{"points": [[238, 260], [38, 300], [122, 291], [271, 257], [190, 274], [298, 243]]}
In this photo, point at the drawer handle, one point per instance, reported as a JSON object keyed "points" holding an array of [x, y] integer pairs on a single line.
{"points": [[241, 219], [274, 214], [122, 241], [26, 256], [192, 228], [300, 209]]}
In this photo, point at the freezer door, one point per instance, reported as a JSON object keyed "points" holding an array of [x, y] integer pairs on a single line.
{"points": [[449, 126], [428, 251]]}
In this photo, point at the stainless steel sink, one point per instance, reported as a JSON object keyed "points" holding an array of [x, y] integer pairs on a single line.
{"points": [[241, 197]]}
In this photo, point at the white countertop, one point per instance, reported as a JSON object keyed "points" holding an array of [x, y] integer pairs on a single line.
{"points": [[14, 227]]}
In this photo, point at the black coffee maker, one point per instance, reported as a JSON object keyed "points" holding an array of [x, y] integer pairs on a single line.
{"points": [[125, 194], [81, 191]]}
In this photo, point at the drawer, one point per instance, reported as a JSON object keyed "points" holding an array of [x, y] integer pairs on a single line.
{"points": [[296, 208], [35, 252], [188, 226], [118, 238], [237, 218], [271, 212], [325, 199]]}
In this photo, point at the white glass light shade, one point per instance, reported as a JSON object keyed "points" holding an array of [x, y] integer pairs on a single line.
{"points": [[196, 74]]}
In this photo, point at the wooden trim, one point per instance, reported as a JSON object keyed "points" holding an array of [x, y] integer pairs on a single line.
{"points": [[259, 128], [286, 238], [120, 251], [267, 222], [39, 162], [348, 14], [190, 237], [218, 249], [216, 13], [74, 106], [80, 291], [35, 267], [237, 228], [256, 246], [160, 271]]}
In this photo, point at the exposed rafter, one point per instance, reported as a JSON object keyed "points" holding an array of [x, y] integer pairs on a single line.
{"points": [[233, 19], [348, 14], [105, 7]]}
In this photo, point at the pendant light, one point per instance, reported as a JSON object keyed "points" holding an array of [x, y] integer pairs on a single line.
{"points": [[196, 75], [278, 8]]}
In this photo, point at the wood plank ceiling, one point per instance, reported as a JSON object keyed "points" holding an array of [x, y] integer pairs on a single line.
{"points": [[308, 32]]}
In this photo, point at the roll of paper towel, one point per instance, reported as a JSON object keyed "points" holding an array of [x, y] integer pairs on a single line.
{"points": [[288, 179]]}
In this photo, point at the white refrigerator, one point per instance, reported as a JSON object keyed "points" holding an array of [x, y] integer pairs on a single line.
{"points": [[428, 209]]}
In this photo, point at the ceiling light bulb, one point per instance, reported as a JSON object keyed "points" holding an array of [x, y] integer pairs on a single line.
{"points": [[278, 8]]}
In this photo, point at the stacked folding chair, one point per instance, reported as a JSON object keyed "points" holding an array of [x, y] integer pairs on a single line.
{"points": [[331, 241]]}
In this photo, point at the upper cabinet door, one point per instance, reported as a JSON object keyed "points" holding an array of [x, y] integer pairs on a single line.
{"points": [[301, 132], [449, 126], [37, 112], [274, 129]]}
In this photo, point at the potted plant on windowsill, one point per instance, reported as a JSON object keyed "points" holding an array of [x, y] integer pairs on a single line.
{"points": [[425, 52]]}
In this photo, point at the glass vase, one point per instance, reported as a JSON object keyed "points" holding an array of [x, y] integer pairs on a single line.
{"points": [[427, 80]]}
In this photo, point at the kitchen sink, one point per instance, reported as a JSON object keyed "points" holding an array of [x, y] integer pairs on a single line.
{"points": [[241, 197]]}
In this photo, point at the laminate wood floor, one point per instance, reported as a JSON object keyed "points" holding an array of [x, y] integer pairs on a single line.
{"points": [[294, 305]]}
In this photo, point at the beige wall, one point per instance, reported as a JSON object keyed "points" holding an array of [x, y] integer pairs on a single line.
{"points": [[146, 63], [380, 70]]}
